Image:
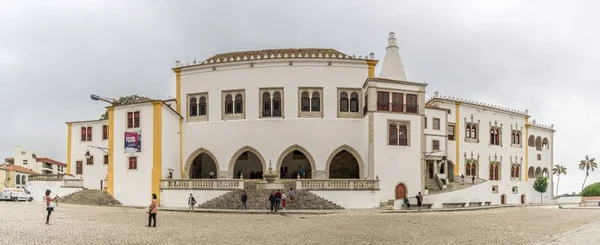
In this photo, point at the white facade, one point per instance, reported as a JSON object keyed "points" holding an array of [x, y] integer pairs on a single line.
{"points": [[93, 171], [318, 112], [42, 165]]}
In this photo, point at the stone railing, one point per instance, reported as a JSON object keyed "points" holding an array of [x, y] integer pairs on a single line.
{"points": [[73, 183], [201, 184], [337, 184], [47, 177]]}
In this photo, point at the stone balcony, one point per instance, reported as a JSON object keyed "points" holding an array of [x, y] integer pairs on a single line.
{"points": [[338, 184], [201, 184]]}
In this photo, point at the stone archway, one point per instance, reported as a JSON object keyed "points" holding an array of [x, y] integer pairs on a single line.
{"points": [[450, 172], [292, 160], [246, 161], [401, 191], [531, 173], [201, 159], [345, 163], [523, 198], [503, 199]]}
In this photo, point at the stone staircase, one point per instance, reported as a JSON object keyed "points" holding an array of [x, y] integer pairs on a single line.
{"points": [[457, 185], [259, 199], [90, 197]]}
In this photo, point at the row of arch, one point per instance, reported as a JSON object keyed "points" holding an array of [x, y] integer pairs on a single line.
{"points": [[538, 142], [20, 179], [534, 172], [343, 163]]}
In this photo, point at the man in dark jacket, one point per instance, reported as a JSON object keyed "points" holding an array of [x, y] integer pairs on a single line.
{"points": [[244, 199], [272, 201], [277, 200]]}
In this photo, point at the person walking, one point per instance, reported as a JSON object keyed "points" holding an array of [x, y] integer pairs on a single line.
{"points": [[419, 200], [283, 197], [152, 210], [292, 194], [277, 200], [49, 205], [191, 202], [272, 201], [462, 178], [473, 179], [244, 199]]}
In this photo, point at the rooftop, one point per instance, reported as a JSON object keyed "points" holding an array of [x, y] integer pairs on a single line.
{"points": [[50, 161], [437, 96], [11, 167], [276, 54]]}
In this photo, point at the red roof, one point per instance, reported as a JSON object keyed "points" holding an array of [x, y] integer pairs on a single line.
{"points": [[8, 159], [51, 161], [12, 167]]}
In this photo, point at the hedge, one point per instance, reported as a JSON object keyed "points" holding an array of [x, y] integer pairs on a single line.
{"points": [[592, 190]]}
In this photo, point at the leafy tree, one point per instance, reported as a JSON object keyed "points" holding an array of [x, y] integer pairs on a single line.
{"points": [[559, 170], [540, 185], [126, 100], [592, 190], [587, 165]]}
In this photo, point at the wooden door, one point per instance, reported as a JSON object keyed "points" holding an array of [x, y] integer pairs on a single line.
{"points": [[503, 199], [522, 198], [79, 169], [400, 191]]}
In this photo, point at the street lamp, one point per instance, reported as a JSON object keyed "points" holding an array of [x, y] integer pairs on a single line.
{"points": [[88, 155], [107, 100]]}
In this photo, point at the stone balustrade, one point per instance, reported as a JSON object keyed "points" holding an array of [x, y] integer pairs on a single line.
{"points": [[337, 184], [201, 184], [72, 183], [47, 177]]}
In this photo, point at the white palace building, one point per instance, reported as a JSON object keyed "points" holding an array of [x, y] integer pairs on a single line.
{"points": [[324, 122]]}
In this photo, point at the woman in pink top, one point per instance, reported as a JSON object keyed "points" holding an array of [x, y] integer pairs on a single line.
{"points": [[152, 210], [49, 205]]}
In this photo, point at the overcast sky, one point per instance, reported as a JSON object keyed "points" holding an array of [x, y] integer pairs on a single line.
{"points": [[537, 55]]}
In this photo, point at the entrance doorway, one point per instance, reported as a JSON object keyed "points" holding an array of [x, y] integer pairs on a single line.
{"points": [[292, 166], [503, 199], [523, 199], [202, 167], [400, 191], [344, 166], [247, 165], [430, 169]]}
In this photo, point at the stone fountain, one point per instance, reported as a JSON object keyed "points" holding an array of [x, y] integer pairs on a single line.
{"points": [[270, 179]]}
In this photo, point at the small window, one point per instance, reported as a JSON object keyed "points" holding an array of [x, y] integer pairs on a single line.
{"points": [[494, 189], [105, 159], [311, 103], [354, 102], [86, 133], [193, 107], [90, 161], [79, 167], [397, 99], [383, 101], [403, 135], [539, 157], [411, 103], [450, 132], [277, 104], [435, 145], [228, 104], [344, 102], [436, 124], [315, 102], [393, 134], [266, 104], [305, 101], [132, 162], [425, 121], [202, 106], [515, 190], [104, 132], [239, 104], [133, 119]]}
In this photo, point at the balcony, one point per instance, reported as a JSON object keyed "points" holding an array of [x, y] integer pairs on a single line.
{"points": [[338, 184], [397, 107], [201, 184]]}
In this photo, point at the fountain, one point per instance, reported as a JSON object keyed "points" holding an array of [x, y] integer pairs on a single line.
{"points": [[269, 180]]}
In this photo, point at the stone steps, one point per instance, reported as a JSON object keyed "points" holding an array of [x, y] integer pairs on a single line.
{"points": [[259, 199], [90, 197]]}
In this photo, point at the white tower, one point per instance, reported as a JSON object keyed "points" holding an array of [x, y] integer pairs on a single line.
{"points": [[392, 64]]}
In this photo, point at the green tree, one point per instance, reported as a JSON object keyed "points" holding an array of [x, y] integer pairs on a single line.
{"points": [[587, 165], [559, 170], [126, 100], [540, 185]]}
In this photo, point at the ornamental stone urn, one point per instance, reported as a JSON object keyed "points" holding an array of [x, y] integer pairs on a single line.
{"points": [[270, 177]]}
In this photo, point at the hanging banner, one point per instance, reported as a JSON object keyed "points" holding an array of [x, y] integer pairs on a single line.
{"points": [[133, 142]]}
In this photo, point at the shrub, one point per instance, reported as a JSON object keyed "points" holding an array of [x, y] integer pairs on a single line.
{"points": [[591, 190], [443, 181]]}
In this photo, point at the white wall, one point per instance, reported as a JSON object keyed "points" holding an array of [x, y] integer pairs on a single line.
{"points": [[351, 199], [92, 174], [560, 200], [133, 187], [179, 198], [25, 159], [170, 146], [38, 189]]}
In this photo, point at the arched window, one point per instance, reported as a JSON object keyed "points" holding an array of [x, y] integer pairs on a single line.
{"points": [[531, 141], [468, 131], [403, 135], [491, 171], [266, 103], [23, 179], [474, 169], [538, 143], [354, 102], [473, 131], [468, 169], [239, 104], [518, 171], [18, 179], [193, 107], [305, 101], [518, 138], [132, 162], [393, 134], [315, 102], [545, 144], [228, 104], [344, 102], [497, 137], [492, 137], [512, 171], [202, 106], [276, 104]]}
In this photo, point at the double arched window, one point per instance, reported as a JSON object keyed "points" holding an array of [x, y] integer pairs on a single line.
{"points": [[349, 104], [494, 171], [271, 106], [197, 105]]}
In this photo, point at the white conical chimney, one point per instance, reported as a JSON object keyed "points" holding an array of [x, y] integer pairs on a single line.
{"points": [[392, 64]]}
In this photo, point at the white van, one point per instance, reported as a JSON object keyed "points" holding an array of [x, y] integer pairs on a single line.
{"points": [[16, 194]]}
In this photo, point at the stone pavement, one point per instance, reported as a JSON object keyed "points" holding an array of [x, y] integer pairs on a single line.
{"points": [[75, 224], [589, 234]]}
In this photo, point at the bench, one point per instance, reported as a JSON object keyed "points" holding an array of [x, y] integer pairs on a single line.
{"points": [[454, 205], [414, 206], [475, 204], [488, 203]]}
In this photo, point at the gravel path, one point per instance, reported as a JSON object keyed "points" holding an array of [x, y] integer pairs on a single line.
{"points": [[72, 224]]}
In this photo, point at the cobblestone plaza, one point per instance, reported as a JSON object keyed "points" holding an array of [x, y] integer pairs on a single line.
{"points": [[74, 224]]}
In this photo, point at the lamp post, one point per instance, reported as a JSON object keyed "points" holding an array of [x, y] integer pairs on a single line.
{"points": [[88, 155]]}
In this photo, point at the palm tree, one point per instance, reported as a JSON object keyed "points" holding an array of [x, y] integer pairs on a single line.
{"points": [[586, 165], [558, 170]]}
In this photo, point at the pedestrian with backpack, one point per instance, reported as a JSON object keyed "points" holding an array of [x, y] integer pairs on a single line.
{"points": [[244, 200], [191, 202]]}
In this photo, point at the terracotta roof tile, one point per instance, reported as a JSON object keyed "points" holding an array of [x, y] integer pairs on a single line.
{"points": [[277, 54], [12, 167], [51, 161]]}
